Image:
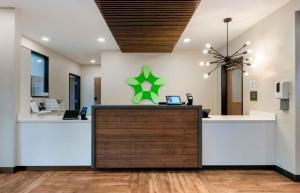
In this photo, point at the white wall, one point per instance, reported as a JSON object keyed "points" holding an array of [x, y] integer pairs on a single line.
{"points": [[297, 93], [180, 69], [9, 85], [88, 72], [25, 78], [59, 69], [273, 41]]}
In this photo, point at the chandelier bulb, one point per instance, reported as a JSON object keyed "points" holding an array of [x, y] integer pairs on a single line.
{"points": [[248, 43], [208, 45], [249, 51], [205, 51], [201, 63], [207, 63], [205, 76]]}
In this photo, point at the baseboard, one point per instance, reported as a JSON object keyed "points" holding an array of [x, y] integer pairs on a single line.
{"points": [[288, 174], [238, 167], [8, 170], [278, 169], [146, 169], [53, 168]]}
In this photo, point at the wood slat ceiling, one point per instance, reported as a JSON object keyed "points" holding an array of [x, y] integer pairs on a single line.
{"points": [[147, 25]]}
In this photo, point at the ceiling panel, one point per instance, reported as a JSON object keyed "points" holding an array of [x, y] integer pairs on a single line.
{"points": [[147, 26]]}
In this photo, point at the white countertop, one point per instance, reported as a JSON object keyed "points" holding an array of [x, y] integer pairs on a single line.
{"points": [[237, 118], [50, 118], [57, 118], [253, 116]]}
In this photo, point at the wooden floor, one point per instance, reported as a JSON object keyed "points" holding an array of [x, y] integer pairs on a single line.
{"points": [[147, 182]]}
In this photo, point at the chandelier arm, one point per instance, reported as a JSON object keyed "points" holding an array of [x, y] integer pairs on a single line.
{"points": [[238, 54], [218, 57], [243, 53], [216, 51], [238, 50], [237, 63], [241, 66], [215, 68], [234, 64], [216, 62]]}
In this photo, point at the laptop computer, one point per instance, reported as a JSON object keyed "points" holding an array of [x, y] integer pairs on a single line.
{"points": [[173, 100]]}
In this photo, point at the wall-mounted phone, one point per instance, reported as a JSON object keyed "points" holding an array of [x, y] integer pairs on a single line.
{"points": [[189, 99], [83, 113]]}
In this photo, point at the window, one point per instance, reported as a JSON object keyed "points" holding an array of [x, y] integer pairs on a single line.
{"points": [[39, 75]]}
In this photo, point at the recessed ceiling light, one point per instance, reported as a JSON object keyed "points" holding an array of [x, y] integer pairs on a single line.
{"points": [[187, 40], [93, 61], [101, 39], [45, 39]]}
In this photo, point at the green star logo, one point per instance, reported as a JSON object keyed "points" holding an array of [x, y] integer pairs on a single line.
{"points": [[137, 82]]}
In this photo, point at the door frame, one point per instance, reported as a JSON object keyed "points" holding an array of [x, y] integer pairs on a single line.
{"points": [[95, 89], [224, 89], [77, 94]]}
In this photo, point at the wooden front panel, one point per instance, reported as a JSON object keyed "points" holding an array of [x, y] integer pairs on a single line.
{"points": [[147, 25], [146, 138]]}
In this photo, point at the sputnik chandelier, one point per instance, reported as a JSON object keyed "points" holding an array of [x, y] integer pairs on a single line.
{"points": [[237, 60]]}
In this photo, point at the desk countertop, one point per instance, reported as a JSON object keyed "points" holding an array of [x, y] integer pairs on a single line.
{"points": [[52, 118], [146, 106], [254, 116], [215, 118]]}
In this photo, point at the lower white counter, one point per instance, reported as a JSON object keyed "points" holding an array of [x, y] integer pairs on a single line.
{"points": [[47, 140], [227, 140], [239, 140]]}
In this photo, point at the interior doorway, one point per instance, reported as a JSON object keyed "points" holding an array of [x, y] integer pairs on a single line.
{"points": [[232, 89], [97, 90], [74, 92], [234, 92]]}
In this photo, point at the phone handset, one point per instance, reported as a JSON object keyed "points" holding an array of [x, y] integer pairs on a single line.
{"points": [[189, 98], [83, 113]]}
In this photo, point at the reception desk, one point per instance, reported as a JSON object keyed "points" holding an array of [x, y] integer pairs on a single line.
{"points": [[146, 137], [247, 140]]}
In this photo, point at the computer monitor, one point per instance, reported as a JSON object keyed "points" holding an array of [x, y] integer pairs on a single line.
{"points": [[173, 100]]}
